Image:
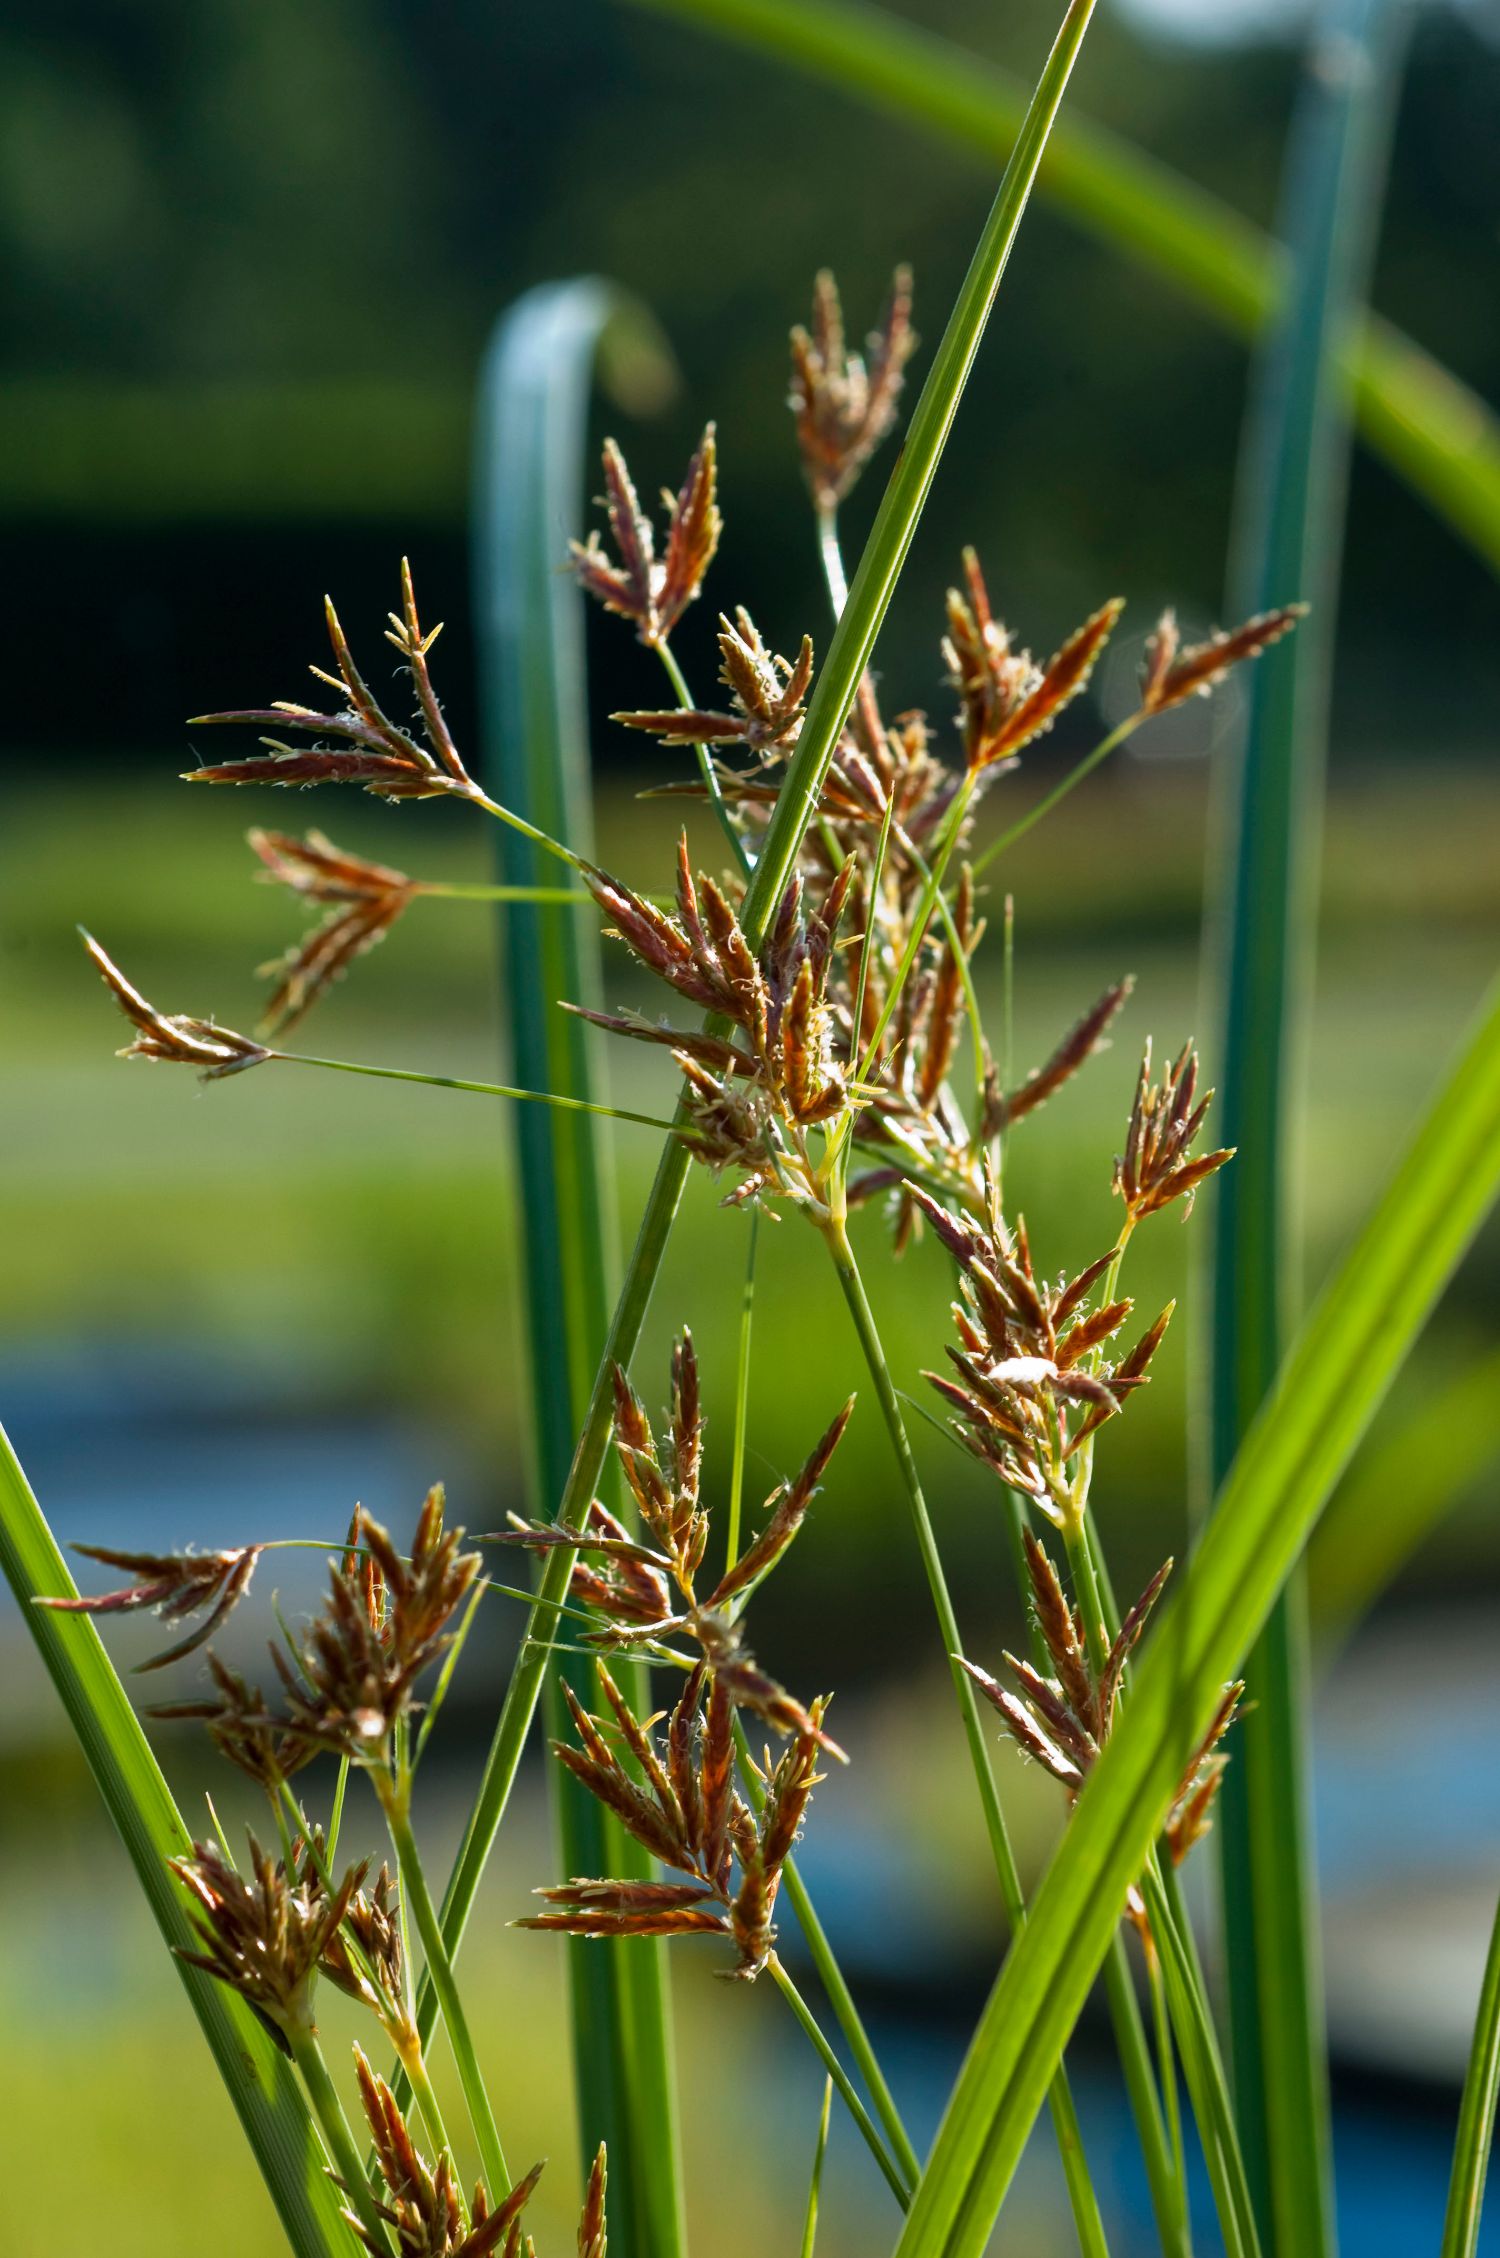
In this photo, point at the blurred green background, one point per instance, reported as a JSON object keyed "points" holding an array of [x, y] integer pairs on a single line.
{"points": [[251, 258]]}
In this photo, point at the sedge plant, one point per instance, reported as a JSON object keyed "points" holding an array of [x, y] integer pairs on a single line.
{"points": [[823, 1051]]}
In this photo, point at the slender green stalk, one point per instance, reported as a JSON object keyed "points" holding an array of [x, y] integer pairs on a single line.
{"points": [[1204, 2071], [1058, 793], [1187, 1992], [742, 1397], [529, 482], [1081, 2193], [558, 1103], [256, 2074], [834, 1983], [839, 2077], [848, 655], [394, 1803], [329, 2111], [1372, 1308], [1434, 431], [1166, 2075], [1289, 536], [704, 758], [1476, 2116], [548, 897], [810, 2227]]}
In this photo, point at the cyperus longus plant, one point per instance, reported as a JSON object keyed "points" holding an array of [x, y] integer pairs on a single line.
{"points": [[823, 1049]]}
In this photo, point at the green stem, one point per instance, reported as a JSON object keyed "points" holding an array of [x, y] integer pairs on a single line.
{"points": [[706, 767], [1064, 2115], [841, 2079], [394, 1802], [442, 890], [518, 823], [831, 1976], [742, 1397], [1476, 2116], [810, 2225], [1166, 2074], [1204, 2070], [329, 2111], [485, 1090], [1187, 1992], [1058, 793]]}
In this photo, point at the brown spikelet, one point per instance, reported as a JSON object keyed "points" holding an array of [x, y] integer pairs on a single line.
{"points": [[768, 696], [1172, 674], [175, 1585], [365, 901], [175, 1040], [993, 681], [368, 748], [845, 404], [591, 2235], [1065, 674], [1077, 1047], [1155, 1168], [633, 583]]}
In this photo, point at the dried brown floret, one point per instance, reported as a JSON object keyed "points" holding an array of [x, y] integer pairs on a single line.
{"points": [[368, 1938], [768, 696], [1171, 674], [366, 899], [689, 1814], [654, 593], [265, 1932], [1076, 1048], [178, 1041], [369, 748], [1024, 1395], [175, 1585], [424, 2202], [386, 1620], [1005, 698], [1155, 1167], [845, 404], [243, 1729]]}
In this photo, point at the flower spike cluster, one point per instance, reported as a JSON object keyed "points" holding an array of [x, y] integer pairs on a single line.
{"points": [[364, 900], [845, 404], [1156, 1166], [768, 695], [1062, 1721], [367, 748], [1005, 700], [386, 1620], [653, 592], [675, 1793], [175, 1586], [263, 1933], [752, 1093], [423, 2202], [175, 1039], [1170, 674], [1030, 1389]]}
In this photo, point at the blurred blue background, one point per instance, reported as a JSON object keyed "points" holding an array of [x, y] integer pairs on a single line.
{"points": [[250, 259]]}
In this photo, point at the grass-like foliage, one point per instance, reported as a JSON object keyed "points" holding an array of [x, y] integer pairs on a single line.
{"points": [[821, 1049]]}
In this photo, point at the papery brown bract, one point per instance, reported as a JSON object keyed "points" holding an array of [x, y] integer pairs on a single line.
{"points": [[176, 1041], [365, 899], [845, 404], [368, 748], [1156, 1166], [652, 592], [1171, 674], [174, 1585]]}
